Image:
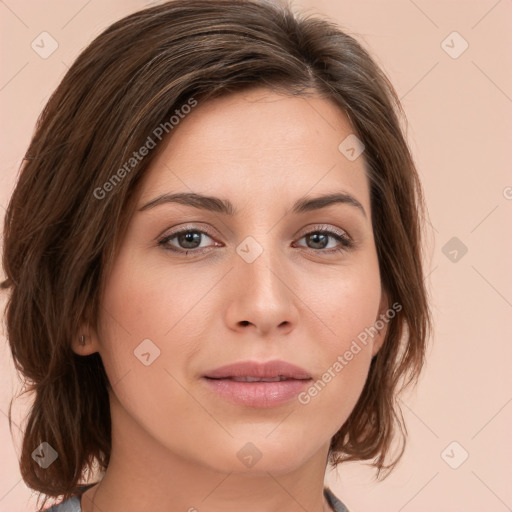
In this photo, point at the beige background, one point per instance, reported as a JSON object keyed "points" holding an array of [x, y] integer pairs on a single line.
{"points": [[460, 126]]}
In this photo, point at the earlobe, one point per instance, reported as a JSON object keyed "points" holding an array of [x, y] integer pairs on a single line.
{"points": [[381, 323], [85, 343], [378, 341]]}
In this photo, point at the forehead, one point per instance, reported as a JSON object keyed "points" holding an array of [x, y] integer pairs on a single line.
{"points": [[259, 143]]}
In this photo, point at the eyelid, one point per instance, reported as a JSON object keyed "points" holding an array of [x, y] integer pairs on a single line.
{"points": [[186, 227], [326, 228]]}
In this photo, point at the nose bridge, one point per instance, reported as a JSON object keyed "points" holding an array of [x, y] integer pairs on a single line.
{"points": [[259, 265], [263, 295]]}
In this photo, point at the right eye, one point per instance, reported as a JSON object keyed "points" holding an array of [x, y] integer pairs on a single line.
{"points": [[186, 240]]}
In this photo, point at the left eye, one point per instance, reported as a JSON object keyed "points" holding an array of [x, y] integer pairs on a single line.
{"points": [[321, 238], [189, 240]]}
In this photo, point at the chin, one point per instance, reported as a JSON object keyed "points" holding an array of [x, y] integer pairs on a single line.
{"points": [[261, 456]]}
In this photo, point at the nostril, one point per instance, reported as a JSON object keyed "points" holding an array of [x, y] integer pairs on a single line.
{"points": [[245, 322]]}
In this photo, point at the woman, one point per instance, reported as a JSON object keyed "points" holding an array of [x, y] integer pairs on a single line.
{"points": [[213, 254]]}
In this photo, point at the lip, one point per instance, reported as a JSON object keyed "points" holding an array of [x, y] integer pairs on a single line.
{"points": [[258, 394], [269, 369]]}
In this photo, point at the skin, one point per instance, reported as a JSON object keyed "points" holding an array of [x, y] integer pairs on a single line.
{"points": [[175, 442]]}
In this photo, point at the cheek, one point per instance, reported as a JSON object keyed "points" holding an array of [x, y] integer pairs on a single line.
{"points": [[145, 331], [127, 321], [349, 306], [348, 311], [339, 380], [137, 322], [141, 302]]}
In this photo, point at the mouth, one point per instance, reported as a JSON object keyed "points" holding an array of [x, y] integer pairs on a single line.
{"points": [[258, 385], [274, 370], [255, 379]]}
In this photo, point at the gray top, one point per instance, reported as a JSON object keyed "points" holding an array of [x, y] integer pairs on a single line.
{"points": [[334, 502], [70, 505], [73, 504]]}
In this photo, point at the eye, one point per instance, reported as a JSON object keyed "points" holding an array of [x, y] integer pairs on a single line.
{"points": [[319, 240], [187, 239]]}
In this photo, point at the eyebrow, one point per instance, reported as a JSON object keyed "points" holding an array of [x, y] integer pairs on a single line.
{"points": [[224, 206]]}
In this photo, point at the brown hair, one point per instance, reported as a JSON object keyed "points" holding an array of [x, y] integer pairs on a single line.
{"points": [[62, 228]]}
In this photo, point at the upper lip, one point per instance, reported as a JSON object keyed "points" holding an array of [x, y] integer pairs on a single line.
{"points": [[269, 369]]}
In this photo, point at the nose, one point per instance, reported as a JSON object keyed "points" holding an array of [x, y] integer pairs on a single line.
{"points": [[262, 297]]}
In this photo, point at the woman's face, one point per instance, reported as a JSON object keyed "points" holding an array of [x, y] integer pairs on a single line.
{"points": [[267, 281]]}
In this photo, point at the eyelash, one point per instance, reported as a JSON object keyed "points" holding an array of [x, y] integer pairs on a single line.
{"points": [[346, 242]]}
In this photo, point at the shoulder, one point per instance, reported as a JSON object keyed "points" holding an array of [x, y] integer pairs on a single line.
{"points": [[70, 505], [334, 502]]}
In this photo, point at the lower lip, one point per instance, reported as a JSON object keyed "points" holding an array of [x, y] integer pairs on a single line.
{"points": [[257, 394]]}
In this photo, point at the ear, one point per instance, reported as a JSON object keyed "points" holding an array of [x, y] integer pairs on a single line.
{"points": [[86, 341], [381, 323]]}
